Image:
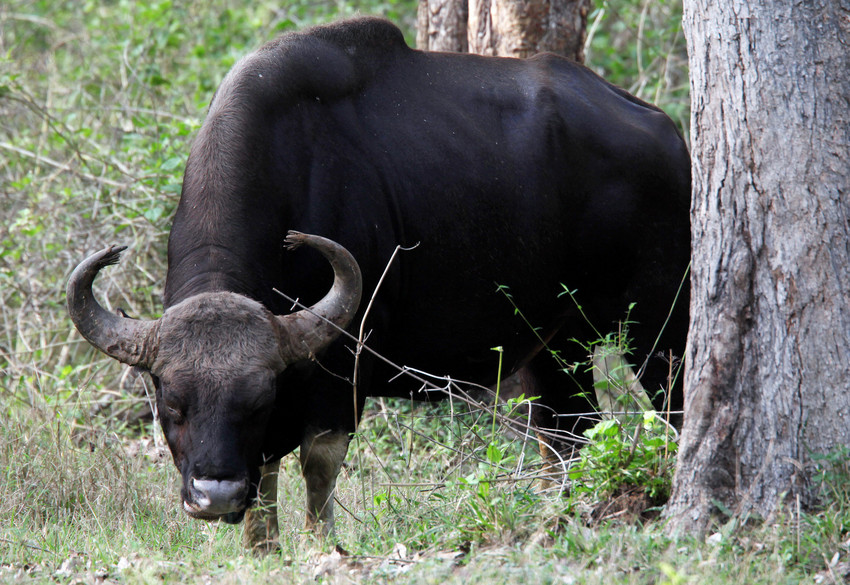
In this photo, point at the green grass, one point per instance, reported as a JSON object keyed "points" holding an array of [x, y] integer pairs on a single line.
{"points": [[98, 105], [78, 504]]}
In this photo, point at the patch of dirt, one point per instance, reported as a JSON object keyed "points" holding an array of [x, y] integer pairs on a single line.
{"points": [[340, 567], [628, 505]]}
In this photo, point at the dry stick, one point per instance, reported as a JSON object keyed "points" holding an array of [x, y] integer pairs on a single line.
{"points": [[592, 33], [797, 554], [62, 166], [669, 401], [664, 74], [452, 389], [501, 351], [360, 344], [641, 24], [361, 336], [464, 457], [633, 448], [410, 435]]}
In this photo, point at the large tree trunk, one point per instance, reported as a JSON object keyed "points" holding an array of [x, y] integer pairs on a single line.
{"points": [[521, 28], [441, 25], [506, 28], [768, 377]]}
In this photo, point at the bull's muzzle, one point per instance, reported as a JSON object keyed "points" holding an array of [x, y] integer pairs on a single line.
{"points": [[210, 499]]}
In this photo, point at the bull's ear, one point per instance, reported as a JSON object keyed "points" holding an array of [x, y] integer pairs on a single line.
{"points": [[128, 340], [308, 331]]}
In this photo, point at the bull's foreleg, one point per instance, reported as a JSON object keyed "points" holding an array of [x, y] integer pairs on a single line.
{"points": [[322, 455], [553, 474], [261, 531]]}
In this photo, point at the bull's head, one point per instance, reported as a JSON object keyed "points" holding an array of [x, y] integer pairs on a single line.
{"points": [[215, 357]]}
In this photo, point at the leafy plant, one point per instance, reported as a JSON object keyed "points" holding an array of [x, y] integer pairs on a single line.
{"points": [[632, 449], [495, 513], [620, 457], [833, 473]]}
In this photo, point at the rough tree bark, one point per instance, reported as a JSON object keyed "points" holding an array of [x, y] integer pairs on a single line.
{"points": [[522, 28], [441, 25], [506, 28], [768, 376]]}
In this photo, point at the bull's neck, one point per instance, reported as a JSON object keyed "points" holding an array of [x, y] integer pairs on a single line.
{"points": [[229, 226], [212, 268]]}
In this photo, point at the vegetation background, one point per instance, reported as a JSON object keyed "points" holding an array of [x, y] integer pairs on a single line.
{"points": [[98, 105]]}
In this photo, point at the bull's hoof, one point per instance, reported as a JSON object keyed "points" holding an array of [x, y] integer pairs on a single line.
{"points": [[265, 548], [261, 533]]}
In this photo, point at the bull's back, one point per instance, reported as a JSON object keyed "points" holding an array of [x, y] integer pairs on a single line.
{"points": [[523, 173]]}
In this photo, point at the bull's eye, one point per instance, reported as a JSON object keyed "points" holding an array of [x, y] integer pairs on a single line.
{"points": [[174, 413]]}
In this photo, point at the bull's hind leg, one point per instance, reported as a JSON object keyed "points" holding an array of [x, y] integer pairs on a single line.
{"points": [[261, 531], [322, 454], [559, 415]]}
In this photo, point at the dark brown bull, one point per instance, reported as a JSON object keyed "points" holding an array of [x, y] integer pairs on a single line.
{"points": [[524, 173]]}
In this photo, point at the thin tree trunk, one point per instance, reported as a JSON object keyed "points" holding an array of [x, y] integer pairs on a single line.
{"points": [[768, 377], [521, 28], [441, 25]]}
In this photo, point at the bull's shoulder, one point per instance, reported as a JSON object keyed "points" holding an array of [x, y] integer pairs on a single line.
{"points": [[324, 62]]}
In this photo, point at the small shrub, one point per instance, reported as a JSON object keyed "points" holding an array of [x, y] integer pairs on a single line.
{"points": [[633, 457]]}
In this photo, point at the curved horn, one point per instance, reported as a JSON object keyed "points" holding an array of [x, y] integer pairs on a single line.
{"points": [[127, 340], [308, 331]]}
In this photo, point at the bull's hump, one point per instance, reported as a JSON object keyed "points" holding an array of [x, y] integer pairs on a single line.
{"points": [[366, 32], [323, 62]]}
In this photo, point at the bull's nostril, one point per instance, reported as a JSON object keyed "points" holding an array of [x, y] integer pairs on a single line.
{"points": [[217, 497], [199, 493]]}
